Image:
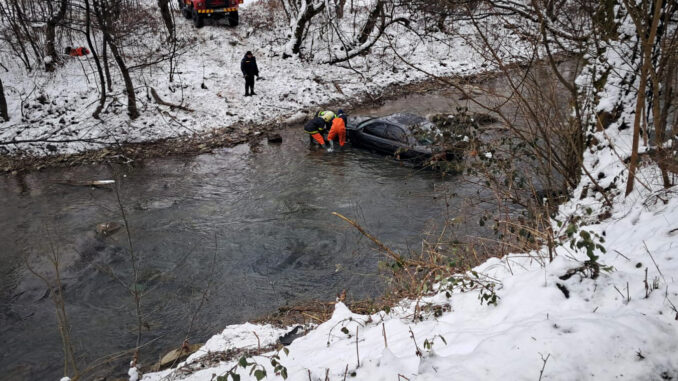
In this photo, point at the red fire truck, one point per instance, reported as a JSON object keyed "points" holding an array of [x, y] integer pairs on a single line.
{"points": [[199, 10]]}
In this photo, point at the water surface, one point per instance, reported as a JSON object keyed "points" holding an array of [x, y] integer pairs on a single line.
{"points": [[254, 223]]}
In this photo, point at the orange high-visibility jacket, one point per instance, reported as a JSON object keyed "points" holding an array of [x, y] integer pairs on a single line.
{"points": [[338, 130]]}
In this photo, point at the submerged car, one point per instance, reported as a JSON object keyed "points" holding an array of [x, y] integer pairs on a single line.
{"points": [[403, 135]]}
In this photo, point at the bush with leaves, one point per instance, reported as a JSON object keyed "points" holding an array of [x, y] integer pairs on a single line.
{"points": [[255, 369]]}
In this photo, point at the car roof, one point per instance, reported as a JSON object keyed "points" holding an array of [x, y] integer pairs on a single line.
{"points": [[404, 119]]}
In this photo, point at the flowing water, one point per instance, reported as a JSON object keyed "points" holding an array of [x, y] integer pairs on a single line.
{"points": [[249, 228]]}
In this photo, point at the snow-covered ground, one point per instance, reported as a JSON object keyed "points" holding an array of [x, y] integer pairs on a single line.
{"points": [[51, 112]]}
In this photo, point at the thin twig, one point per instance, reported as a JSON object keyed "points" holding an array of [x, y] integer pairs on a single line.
{"points": [[258, 341], [383, 332], [541, 373], [357, 354], [653, 261], [418, 351]]}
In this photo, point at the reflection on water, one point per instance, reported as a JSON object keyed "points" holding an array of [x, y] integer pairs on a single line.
{"points": [[258, 224]]}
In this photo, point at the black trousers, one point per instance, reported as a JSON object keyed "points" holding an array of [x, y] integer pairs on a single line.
{"points": [[249, 84]]}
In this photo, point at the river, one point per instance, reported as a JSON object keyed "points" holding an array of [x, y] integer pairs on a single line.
{"points": [[253, 223]]}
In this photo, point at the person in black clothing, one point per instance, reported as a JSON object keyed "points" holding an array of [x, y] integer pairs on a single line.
{"points": [[315, 128], [249, 68]]}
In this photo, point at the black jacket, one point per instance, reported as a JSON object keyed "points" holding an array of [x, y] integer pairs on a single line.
{"points": [[249, 66], [315, 125]]}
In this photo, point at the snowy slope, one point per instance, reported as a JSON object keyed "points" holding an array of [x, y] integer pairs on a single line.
{"points": [[596, 333], [51, 112]]}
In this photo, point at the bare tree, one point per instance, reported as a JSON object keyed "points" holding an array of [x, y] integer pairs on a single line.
{"points": [[3, 103], [646, 43], [375, 14], [21, 39], [107, 11], [95, 56], [339, 6], [380, 17], [50, 35], [299, 14], [166, 14], [647, 17], [307, 24]]}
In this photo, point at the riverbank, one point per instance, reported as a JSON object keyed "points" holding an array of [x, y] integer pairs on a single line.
{"points": [[560, 320], [205, 142], [200, 106]]}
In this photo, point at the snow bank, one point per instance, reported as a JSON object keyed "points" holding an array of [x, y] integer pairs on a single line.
{"points": [[608, 328]]}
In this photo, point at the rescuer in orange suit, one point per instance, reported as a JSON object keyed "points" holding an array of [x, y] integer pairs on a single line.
{"points": [[77, 52], [338, 130]]}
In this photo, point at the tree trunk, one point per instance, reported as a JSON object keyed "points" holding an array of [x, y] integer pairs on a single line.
{"points": [[104, 16], [339, 9], [50, 37], [3, 103], [102, 95], [166, 16], [371, 22], [107, 69], [662, 78], [129, 86], [306, 13], [647, 38]]}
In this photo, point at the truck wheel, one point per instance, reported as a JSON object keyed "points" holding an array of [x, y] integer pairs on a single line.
{"points": [[233, 18], [186, 11], [197, 19]]}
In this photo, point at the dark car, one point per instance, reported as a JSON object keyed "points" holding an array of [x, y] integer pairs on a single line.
{"points": [[403, 135]]}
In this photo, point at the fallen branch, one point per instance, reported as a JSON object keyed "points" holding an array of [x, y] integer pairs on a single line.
{"points": [[159, 101], [87, 183], [362, 231]]}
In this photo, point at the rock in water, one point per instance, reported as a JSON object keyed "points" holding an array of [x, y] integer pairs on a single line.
{"points": [[275, 138], [108, 228]]}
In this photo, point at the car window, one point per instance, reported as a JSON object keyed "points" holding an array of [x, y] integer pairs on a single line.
{"points": [[396, 133], [376, 129]]}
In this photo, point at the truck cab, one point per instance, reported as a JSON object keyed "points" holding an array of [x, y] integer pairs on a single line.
{"points": [[199, 10]]}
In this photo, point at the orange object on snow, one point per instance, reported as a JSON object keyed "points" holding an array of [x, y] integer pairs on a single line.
{"points": [[338, 130], [78, 52]]}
